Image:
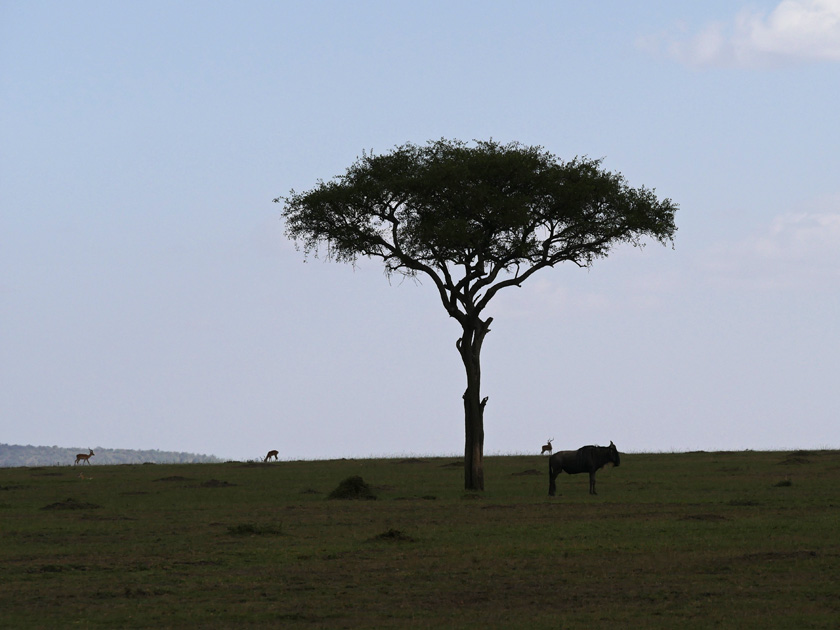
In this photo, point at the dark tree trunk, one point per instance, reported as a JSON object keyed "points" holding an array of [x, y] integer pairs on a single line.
{"points": [[469, 346]]}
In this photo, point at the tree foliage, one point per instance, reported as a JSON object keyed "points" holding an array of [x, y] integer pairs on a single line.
{"points": [[475, 219], [464, 215]]}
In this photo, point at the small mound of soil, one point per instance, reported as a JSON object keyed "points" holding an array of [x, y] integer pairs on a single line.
{"points": [[253, 529], [173, 478], [394, 535], [352, 488], [215, 483], [779, 555], [795, 459], [703, 517], [71, 504], [530, 471]]}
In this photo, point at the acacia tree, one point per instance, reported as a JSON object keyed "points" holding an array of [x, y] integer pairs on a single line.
{"points": [[475, 219]]}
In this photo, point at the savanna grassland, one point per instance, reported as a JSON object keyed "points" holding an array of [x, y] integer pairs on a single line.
{"points": [[688, 540]]}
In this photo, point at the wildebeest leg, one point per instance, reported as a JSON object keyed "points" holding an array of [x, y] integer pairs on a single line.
{"points": [[552, 476], [592, 483]]}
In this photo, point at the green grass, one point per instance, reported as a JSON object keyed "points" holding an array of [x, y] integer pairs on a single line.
{"points": [[693, 540]]}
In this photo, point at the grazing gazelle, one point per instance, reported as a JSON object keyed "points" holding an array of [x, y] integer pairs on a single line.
{"points": [[270, 455], [547, 447], [81, 457]]}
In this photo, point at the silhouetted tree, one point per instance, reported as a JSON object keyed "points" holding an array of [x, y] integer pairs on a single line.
{"points": [[475, 218]]}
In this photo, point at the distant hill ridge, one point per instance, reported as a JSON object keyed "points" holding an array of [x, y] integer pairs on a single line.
{"points": [[13, 455]]}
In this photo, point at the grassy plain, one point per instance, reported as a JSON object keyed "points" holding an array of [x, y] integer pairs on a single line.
{"points": [[688, 540]]}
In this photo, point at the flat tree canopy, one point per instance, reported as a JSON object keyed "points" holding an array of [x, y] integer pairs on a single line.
{"points": [[474, 218]]}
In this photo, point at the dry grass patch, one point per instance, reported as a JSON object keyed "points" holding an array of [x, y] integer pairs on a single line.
{"points": [[693, 540]]}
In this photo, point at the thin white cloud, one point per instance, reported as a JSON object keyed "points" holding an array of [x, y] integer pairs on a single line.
{"points": [[795, 31], [794, 251]]}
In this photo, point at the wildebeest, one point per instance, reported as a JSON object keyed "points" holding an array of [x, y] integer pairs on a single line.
{"points": [[589, 459]]}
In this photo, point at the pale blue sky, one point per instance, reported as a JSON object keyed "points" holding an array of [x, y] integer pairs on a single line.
{"points": [[148, 297]]}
